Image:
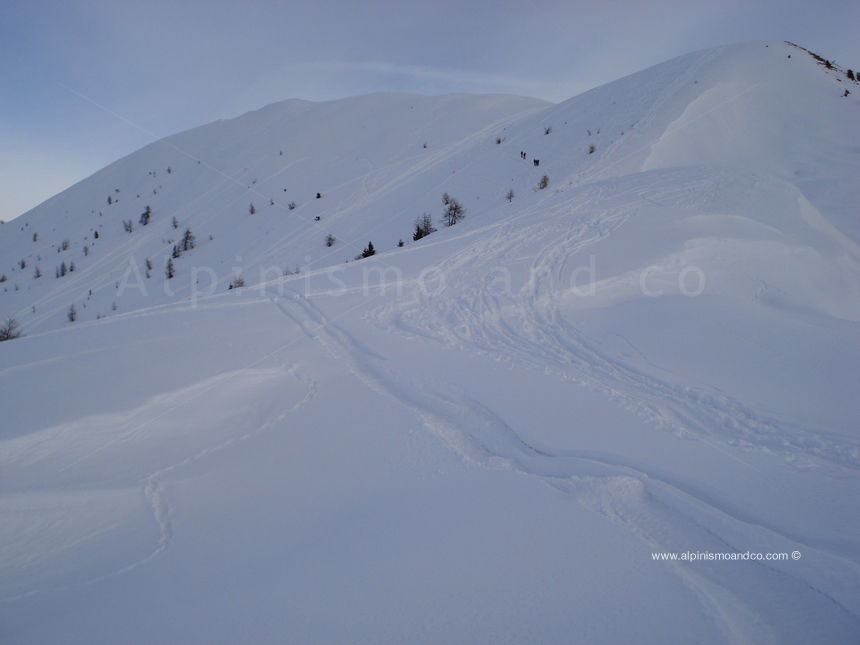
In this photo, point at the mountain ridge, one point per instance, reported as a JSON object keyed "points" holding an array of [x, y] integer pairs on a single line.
{"points": [[258, 155]]}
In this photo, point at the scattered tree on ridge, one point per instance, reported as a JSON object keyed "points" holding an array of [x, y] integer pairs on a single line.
{"points": [[454, 211], [10, 330], [144, 217], [423, 227], [188, 240]]}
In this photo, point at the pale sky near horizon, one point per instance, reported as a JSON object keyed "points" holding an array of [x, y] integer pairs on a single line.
{"points": [[83, 83]]}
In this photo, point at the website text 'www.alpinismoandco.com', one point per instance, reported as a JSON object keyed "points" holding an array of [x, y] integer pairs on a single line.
{"points": [[699, 556]]}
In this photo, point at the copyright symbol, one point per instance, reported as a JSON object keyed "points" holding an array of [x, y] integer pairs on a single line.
{"points": [[795, 555]]}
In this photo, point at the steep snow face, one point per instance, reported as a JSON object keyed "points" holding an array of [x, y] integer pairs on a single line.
{"points": [[490, 434], [786, 120]]}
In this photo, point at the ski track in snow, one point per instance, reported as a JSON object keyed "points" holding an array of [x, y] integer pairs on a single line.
{"points": [[472, 318], [660, 511], [156, 494]]}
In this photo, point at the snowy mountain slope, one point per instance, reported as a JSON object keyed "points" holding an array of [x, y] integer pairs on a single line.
{"points": [[484, 435], [365, 155]]}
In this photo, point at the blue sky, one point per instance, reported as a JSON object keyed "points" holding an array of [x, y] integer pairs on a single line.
{"points": [[83, 83]]}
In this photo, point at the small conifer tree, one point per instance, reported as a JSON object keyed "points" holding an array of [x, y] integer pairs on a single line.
{"points": [[423, 227], [188, 240]]}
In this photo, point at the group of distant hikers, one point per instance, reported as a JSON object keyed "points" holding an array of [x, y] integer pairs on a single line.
{"points": [[536, 161]]}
